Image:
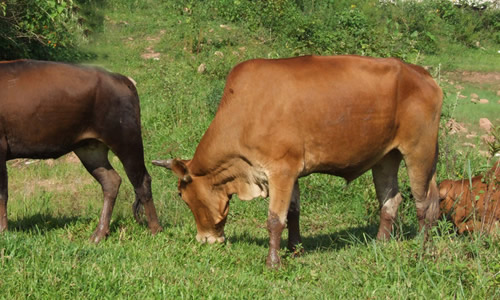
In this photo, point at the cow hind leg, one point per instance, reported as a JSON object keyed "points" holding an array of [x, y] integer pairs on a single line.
{"points": [[132, 158], [422, 174], [3, 185], [94, 156], [385, 178]]}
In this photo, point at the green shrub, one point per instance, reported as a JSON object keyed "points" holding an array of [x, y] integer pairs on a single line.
{"points": [[38, 29], [398, 28]]}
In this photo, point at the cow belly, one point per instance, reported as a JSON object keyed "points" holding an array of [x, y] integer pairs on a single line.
{"points": [[46, 143], [40, 150], [348, 148], [349, 168]]}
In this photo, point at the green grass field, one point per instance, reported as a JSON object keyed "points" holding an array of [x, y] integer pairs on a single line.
{"points": [[54, 205]]}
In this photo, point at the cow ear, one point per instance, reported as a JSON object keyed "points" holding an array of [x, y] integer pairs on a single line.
{"points": [[177, 166]]}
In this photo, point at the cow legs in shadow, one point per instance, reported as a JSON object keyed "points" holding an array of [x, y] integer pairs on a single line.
{"points": [[3, 185], [293, 220], [94, 157], [385, 178]]}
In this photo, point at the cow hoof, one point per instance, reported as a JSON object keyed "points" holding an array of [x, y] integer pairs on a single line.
{"points": [[273, 261], [155, 229], [98, 236], [138, 210], [383, 236]]}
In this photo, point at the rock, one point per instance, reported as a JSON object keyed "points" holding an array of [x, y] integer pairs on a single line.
{"points": [[483, 101], [498, 93], [474, 96], [461, 96], [202, 68], [219, 54], [471, 136], [485, 124], [474, 100], [469, 145], [459, 87], [153, 56]]}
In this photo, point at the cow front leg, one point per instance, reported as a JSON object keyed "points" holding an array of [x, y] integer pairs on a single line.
{"points": [[280, 196], [293, 223], [133, 162], [3, 190]]}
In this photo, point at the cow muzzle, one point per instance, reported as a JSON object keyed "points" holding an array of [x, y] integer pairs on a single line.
{"points": [[209, 238]]}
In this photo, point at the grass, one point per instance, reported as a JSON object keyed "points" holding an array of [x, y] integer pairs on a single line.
{"points": [[459, 57], [54, 207]]}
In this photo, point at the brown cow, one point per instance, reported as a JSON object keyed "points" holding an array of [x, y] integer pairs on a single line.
{"points": [[282, 119], [473, 205], [48, 109]]}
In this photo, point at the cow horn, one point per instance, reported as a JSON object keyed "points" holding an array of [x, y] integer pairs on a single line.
{"points": [[163, 163], [177, 166]]}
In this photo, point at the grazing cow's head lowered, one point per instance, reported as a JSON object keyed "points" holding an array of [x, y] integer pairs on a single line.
{"points": [[209, 205], [279, 120]]}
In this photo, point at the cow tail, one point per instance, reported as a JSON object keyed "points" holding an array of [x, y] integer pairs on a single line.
{"points": [[436, 157]]}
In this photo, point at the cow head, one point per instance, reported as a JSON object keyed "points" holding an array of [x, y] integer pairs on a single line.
{"points": [[209, 205]]}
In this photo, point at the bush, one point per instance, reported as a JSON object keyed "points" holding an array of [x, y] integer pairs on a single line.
{"points": [[380, 28], [39, 29]]}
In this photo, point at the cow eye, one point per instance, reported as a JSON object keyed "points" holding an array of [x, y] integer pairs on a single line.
{"points": [[180, 195]]}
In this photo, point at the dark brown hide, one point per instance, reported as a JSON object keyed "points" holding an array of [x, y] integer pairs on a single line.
{"points": [[282, 119], [472, 205], [48, 109]]}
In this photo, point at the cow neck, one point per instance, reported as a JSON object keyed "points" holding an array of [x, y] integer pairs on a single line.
{"points": [[224, 164], [216, 148]]}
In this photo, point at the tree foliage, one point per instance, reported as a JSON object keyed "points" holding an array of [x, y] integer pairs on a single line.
{"points": [[44, 29]]}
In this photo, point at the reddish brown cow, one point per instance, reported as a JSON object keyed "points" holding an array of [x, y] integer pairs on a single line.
{"points": [[473, 205], [282, 119], [48, 109]]}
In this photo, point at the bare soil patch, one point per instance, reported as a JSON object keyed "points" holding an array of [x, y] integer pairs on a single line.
{"points": [[475, 77], [149, 52]]}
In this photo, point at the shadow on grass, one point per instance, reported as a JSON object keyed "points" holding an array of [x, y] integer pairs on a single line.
{"points": [[360, 235], [43, 223]]}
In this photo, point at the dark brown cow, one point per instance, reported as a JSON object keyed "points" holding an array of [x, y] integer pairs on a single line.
{"points": [[282, 119], [473, 205], [49, 109]]}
